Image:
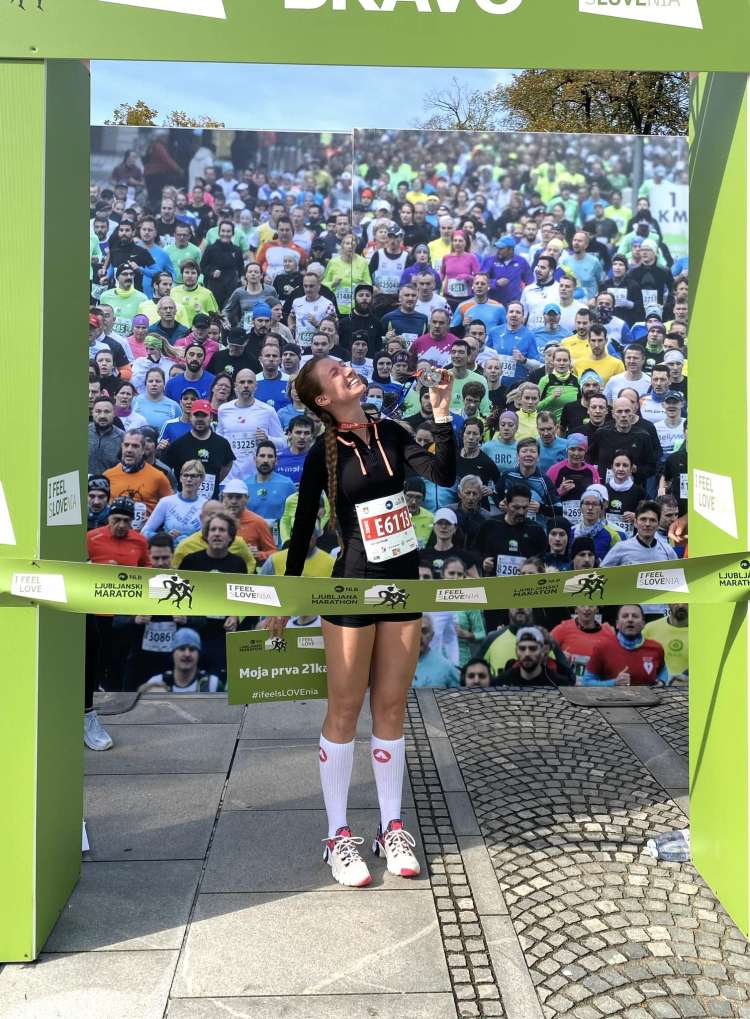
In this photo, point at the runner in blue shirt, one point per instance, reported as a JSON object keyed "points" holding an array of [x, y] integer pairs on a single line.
{"points": [[176, 427], [508, 272], [479, 308], [516, 347], [552, 331], [299, 438], [268, 491]]}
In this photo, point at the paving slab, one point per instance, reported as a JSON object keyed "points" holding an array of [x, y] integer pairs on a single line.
{"points": [[446, 764], [669, 768], [513, 978], [481, 877], [431, 717], [295, 720], [127, 906], [462, 813], [97, 985], [178, 709], [176, 749], [312, 943], [284, 775], [323, 1006], [280, 851], [151, 817]]}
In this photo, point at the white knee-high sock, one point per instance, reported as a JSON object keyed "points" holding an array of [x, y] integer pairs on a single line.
{"points": [[388, 756], [336, 761]]}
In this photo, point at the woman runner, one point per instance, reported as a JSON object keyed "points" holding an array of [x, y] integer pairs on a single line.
{"points": [[362, 465]]}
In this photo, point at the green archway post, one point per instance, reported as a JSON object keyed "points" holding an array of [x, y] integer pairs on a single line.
{"points": [[44, 114], [44, 117]]}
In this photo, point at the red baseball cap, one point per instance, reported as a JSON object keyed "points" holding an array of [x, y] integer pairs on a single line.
{"points": [[93, 320], [201, 407]]}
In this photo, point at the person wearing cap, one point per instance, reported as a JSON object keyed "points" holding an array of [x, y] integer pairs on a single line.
{"points": [[592, 523], [499, 646], [441, 545], [104, 439], [651, 275], [479, 307], [580, 636], [627, 658], [98, 501], [532, 667], [193, 297], [572, 476], [346, 269], [675, 360], [559, 540], [552, 331], [177, 426], [200, 334], [236, 356], [508, 271], [270, 256], [576, 416], [99, 340], [654, 346], [203, 444], [251, 528], [185, 676], [458, 268], [124, 299], [598, 359], [627, 295], [387, 265], [362, 320], [421, 264]]}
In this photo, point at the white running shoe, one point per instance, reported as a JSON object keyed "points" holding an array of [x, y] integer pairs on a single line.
{"points": [[342, 856], [396, 845], [95, 736]]}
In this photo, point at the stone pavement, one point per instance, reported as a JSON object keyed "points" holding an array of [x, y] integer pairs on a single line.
{"points": [[204, 894]]}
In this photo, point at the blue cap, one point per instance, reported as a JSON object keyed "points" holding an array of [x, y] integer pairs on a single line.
{"points": [[591, 374], [552, 309], [262, 310], [506, 242], [186, 637]]}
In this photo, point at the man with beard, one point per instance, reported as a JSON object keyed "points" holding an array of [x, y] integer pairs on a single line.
{"points": [[123, 250], [575, 415], [362, 320], [268, 490], [540, 293], [136, 479], [499, 646], [195, 375], [597, 358], [532, 666]]}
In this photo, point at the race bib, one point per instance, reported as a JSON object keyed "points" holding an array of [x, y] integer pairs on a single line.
{"points": [[578, 664], [619, 523], [457, 288], [650, 297], [344, 296], [208, 485], [141, 513], [305, 337], [509, 565], [243, 444], [572, 510], [507, 366], [683, 486], [620, 295], [247, 321], [386, 528], [158, 636], [97, 290], [122, 326]]}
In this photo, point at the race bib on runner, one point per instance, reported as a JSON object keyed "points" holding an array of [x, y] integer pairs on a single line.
{"points": [[158, 636], [207, 487], [509, 565], [620, 295], [122, 326], [97, 290], [386, 528], [507, 365], [344, 296], [572, 510], [243, 444], [650, 297], [620, 524], [386, 284], [578, 664], [683, 486], [457, 288], [247, 321], [141, 513]]}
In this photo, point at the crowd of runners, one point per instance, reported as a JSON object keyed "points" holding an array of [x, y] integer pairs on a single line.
{"points": [[532, 266]]}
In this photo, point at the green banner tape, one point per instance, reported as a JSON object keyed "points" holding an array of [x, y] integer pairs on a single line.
{"points": [[121, 590]]}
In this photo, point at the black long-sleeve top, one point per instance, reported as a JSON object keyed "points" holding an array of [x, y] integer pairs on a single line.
{"points": [[364, 475]]}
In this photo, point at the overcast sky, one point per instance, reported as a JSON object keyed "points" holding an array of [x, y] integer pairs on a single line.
{"points": [[278, 96]]}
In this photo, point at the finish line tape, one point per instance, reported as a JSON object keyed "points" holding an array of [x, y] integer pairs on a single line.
{"points": [[121, 590]]}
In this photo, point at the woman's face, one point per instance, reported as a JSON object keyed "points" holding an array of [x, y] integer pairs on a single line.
{"points": [[225, 232], [252, 275], [339, 384], [214, 332], [347, 245], [383, 366], [124, 397], [459, 244], [140, 333], [621, 469], [381, 235], [222, 391], [454, 571]]}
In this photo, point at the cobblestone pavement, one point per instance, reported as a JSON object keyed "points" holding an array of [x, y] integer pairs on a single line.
{"points": [[670, 719], [565, 808]]}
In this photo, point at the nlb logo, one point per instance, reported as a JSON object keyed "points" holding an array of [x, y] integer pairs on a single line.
{"points": [[202, 8], [682, 13], [420, 6]]}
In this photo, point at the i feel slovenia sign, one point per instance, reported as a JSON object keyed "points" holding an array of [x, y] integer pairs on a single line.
{"points": [[627, 34]]}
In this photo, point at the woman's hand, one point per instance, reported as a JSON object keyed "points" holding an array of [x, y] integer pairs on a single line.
{"points": [[440, 399], [276, 625]]}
